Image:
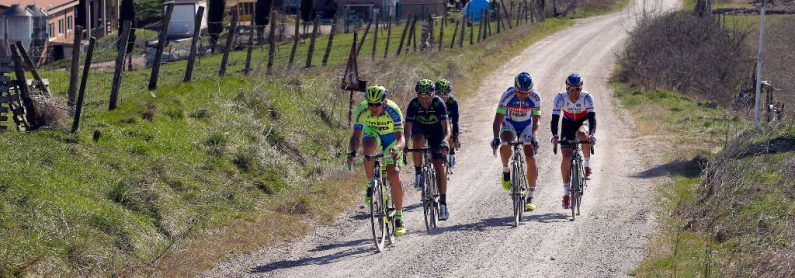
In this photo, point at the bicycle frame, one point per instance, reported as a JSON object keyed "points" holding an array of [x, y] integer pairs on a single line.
{"points": [[577, 176], [518, 182], [430, 190], [382, 210]]}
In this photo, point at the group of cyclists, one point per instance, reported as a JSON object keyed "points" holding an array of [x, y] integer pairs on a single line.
{"points": [[432, 120]]}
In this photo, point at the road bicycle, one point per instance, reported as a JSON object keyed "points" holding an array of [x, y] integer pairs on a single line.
{"points": [[430, 190], [382, 209], [518, 181], [577, 175]]}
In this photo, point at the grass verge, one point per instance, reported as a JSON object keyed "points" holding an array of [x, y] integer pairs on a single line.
{"points": [[176, 180]]}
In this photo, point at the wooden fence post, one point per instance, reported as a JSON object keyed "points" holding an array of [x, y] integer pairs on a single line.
{"points": [[122, 50], [364, 37], [455, 35], [161, 42], [251, 33], [33, 71], [73, 75], [330, 42], [413, 33], [193, 44], [271, 42], [230, 39], [296, 37], [311, 50], [488, 24], [518, 13], [507, 15], [463, 30], [480, 25], [83, 82], [403, 36], [388, 36], [472, 29], [499, 19], [375, 38], [24, 90], [441, 31]]}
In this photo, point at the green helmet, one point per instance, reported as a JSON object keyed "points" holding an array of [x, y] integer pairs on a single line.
{"points": [[375, 94], [424, 86], [443, 87]]}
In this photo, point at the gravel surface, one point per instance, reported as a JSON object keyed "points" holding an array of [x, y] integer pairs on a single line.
{"points": [[608, 239]]}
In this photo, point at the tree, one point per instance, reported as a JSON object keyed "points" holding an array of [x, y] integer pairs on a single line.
{"points": [[262, 12], [215, 18], [127, 12]]}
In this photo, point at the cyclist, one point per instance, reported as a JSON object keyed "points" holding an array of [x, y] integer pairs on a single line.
{"points": [[379, 122], [517, 120], [426, 121], [444, 90], [577, 106]]}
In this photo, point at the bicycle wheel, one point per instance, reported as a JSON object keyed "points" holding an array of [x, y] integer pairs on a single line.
{"points": [[515, 196], [427, 197], [574, 188], [434, 200], [378, 215]]}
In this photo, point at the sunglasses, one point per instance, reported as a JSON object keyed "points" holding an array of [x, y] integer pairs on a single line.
{"points": [[522, 92], [425, 94], [574, 89], [374, 104]]}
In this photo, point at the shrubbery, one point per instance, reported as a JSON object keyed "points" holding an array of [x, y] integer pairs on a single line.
{"points": [[682, 52]]}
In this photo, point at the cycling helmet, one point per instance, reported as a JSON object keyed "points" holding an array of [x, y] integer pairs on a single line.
{"points": [[424, 86], [443, 86], [523, 81], [574, 80], [375, 94]]}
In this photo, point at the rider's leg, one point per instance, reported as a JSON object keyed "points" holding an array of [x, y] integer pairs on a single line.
{"points": [[532, 170], [441, 176], [506, 136], [417, 141], [393, 173], [586, 151], [369, 145]]}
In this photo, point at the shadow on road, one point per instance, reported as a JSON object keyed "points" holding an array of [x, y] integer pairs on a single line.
{"points": [[351, 249]]}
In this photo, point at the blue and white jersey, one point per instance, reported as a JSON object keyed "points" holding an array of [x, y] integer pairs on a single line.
{"points": [[516, 110]]}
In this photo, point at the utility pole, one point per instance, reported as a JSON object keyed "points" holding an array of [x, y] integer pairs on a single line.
{"points": [[759, 64]]}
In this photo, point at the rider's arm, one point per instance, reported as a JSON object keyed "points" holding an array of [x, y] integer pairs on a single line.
{"points": [[401, 142], [589, 106], [498, 118], [557, 105], [441, 112], [407, 130], [445, 130], [353, 146], [454, 117]]}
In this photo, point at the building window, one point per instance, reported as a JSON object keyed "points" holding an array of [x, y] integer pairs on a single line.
{"points": [[50, 30], [69, 23], [60, 26]]}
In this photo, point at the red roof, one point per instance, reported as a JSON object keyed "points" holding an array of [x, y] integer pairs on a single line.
{"points": [[44, 4]]}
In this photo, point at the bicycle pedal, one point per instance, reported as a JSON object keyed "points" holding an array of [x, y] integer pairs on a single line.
{"points": [[391, 212]]}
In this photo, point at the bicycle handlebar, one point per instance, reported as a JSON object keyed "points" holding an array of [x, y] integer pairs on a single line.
{"points": [[571, 142]]}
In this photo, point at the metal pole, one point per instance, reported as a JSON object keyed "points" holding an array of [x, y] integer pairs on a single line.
{"points": [[759, 63]]}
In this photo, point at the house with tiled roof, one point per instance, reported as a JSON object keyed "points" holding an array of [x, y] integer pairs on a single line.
{"points": [[60, 16]]}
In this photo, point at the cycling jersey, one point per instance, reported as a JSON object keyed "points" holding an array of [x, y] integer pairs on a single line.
{"points": [[388, 122], [452, 113], [519, 113], [573, 110], [575, 113], [516, 110], [434, 115]]}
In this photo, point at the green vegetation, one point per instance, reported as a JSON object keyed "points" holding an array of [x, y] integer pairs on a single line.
{"points": [[175, 180], [728, 204]]}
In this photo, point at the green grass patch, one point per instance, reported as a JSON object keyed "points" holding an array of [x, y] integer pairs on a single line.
{"points": [[174, 180]]}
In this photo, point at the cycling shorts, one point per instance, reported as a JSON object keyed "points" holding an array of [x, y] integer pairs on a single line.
{"points": [[569, 130], [387, 142], [521, 131], [434, 134]]}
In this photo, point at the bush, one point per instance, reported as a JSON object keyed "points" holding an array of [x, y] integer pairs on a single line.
{"points": [[682, 52]]}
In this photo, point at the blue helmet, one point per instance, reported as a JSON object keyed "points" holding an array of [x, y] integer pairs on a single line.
{"points": [[574, 80], [523, 81]]}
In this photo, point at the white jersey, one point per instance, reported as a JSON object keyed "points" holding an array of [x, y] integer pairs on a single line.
{"points": [[516, 110], [573, 110]]}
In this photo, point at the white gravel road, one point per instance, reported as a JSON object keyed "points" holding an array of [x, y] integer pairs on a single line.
{"points": [[608, 239]]}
